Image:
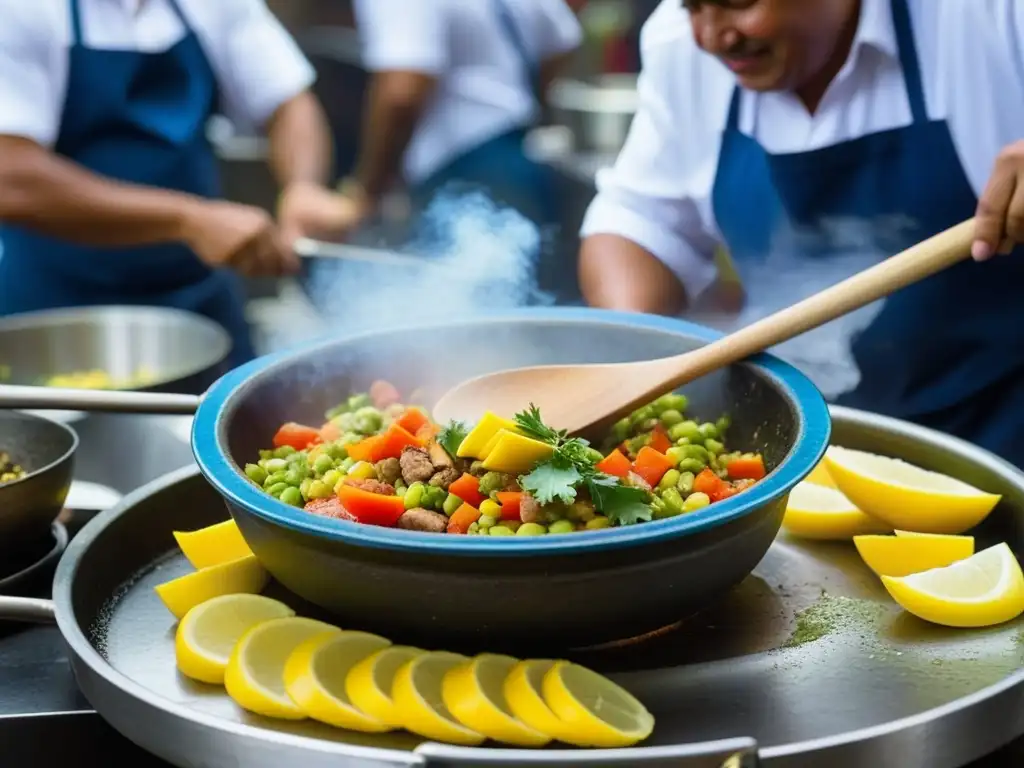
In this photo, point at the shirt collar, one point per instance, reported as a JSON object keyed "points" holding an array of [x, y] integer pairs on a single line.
{"points": [[875, 28]]}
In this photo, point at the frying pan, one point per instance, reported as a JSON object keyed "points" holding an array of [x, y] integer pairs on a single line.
{"points": [[724, 686], [502, 592], [46, 451]]}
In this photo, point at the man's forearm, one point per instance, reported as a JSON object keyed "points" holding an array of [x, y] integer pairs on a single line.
{"points": [[616, 273], [301, 147], [395, 103], [44, 192]]}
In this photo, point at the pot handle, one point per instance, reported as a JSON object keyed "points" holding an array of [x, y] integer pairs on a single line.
{"points": [[97, 400], [728, 753], [30, 610]]}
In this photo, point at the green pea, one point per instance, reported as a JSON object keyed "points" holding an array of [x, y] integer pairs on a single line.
{"points": [[277, 489], [580, 512], [594, 455], [659, 507], [698, 452], [500, 530], [696, 466], [275, 465], [266, 454], [414, 495], [368, 420], [688, 429], [331, 478], [486, 521], [304, 487], [696, 501], [620, 431], [295, 476], [676, 454], [336, 411], [275, 478], [475, 467], [473, 529], [635, 444], [292, 495], [348, 439], [672, 401], [561, 526], [283, 452], [669, 480], [335, 451], [723, 424], [491, 482], [673, 501], [708, 430], [512, 525], [434, 497], [598, 523], [322, 464], [685, 483], [256, 473], [531, 529], [318, 489], [451, 504], [714, 446], [361, 400], [641, 415], [346, 464], [671, 417]]}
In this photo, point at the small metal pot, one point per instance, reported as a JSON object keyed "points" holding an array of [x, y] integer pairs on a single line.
{"points": [[599, 112]]}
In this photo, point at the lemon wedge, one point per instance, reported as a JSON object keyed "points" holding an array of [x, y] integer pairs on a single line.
{"points": [[254, 677], [315, 674], [981, 591], [474, 694], [244, 575], [371, 681], [212, 545], [524, 694], [208, 633], [420, 704], [903, 555], [820, 476], [819, 512], [905, 496]]}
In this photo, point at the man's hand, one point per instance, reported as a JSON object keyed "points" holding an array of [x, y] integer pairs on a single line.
{"points": [[310, 210], [241, 237], [1001, 208]]}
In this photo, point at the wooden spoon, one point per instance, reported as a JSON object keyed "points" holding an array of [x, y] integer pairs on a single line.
{"points": [[587, 399]]}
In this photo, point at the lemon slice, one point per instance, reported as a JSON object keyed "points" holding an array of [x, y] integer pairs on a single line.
{"points": [[905, 496], [315, 673], [820, 476], [819, 512], [524, 694], [596, 711], [208, 633], [254, 677], [212, 545], [983, 590], [370, 682], [474, 694], [419, 702], [903, 555], [244, 575]]}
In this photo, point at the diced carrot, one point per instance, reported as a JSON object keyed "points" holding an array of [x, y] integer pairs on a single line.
{"points": [[467, 488], [384, 393], [511, 502], [708, 482], [746, 468], [330, 432], [411, 420], [615, 463], [427, 432], [365, 449], [329, 507], [298, 436], [464, 517], [660, 440], [651, 465], [392, 442], [371, 508]]}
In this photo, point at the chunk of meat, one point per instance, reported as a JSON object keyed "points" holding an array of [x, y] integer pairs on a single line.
{"points": [[329, 507], [416, 465], [389, 471], [418, 519], [439, 456], [445, 477], [530, 510], [371, 486]]}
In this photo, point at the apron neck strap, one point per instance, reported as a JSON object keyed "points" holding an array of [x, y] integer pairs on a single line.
{"points": [[76, 19]]}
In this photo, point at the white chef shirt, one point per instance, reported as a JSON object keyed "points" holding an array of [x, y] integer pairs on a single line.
{"points": [[257, 64], [483, 88], [658, 193]]}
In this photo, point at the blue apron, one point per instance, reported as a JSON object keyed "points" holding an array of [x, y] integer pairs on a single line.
{"points": [[947, 352], [141, 118]]}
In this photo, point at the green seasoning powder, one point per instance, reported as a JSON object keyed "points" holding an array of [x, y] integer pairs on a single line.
{"points": [[830, 615]]}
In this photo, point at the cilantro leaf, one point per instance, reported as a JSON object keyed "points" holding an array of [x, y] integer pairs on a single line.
{"points": [[531, 425], [552, 480], [451, 437], [621, 504]]}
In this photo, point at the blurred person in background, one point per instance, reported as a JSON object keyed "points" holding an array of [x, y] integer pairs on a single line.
{"points": [[108, 185], [456, 86], [824, 133]]}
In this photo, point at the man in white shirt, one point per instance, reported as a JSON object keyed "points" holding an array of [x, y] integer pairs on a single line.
{"points": [[455, 87], [108, 185], [812, 136]]}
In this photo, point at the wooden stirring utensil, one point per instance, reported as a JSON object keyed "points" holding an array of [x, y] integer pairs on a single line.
{"points": [[587, 399]]}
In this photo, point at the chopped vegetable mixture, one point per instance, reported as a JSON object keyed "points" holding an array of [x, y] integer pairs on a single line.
{"points": [[9, 470], [380, 462]]}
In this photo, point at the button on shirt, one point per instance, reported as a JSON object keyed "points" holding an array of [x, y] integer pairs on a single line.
{"points": [[257, 64], [658, 193], [483, 88]]}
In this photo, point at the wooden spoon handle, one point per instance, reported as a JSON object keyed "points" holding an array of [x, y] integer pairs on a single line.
{"points": [[924, 259]]}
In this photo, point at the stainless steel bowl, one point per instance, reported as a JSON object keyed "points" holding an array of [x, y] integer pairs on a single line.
{"points": [[180, 351], [599, 112]]}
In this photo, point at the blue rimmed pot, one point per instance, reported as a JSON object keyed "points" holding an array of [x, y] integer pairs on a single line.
{"points": [[515, 593]]}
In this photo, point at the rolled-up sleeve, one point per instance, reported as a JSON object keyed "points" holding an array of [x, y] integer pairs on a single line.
{"points": [[402, 35], [31, 86], [259, 65], [654, 193]]}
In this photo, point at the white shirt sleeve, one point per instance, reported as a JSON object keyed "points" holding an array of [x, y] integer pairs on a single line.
{"points": [[406, 35], [30, 95], [648, 196], [259, 66], [562, 32]]}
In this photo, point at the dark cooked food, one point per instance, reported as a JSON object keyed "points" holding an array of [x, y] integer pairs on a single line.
{"points": [[9, 470]]}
